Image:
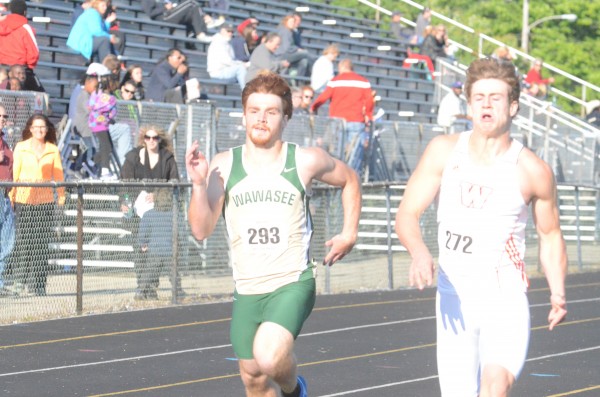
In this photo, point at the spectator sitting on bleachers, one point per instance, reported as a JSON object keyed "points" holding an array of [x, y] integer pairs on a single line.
{"points": [[17, 72], [187, 13], [122, 131], [113, 64], [18, 45], [90, 34], [297, 57], [593, 113], [423, 20], [135, 73], [264, 58], [401, 32], [297, 30], [323, 69], [502, 53], [436, 44], [308, 95], [3, 77], [221, 63], [297, 101], [14, 84], [452, 111], [218, 19], [538, 84], [167, 78], [113, 27], [246, 40]]}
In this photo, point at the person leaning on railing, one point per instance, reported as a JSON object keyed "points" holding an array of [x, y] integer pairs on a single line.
{"points": [[36, 159]]}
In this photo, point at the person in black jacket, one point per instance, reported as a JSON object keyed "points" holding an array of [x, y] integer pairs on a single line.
{"points": [[152, 160]]}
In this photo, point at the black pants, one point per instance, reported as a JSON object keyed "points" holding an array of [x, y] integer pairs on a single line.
{"points": [[102, 158], [29, 261], [148, 270], [187, 13]]}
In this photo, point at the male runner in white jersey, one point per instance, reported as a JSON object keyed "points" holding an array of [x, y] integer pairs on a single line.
{"points": [[262, 188], [485, 181]]}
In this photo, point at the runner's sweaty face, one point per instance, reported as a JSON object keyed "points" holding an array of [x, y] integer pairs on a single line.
{"points": [[264, 119]]}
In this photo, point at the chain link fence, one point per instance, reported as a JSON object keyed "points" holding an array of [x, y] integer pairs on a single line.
{"points": [[20, 105], [105, 249]]}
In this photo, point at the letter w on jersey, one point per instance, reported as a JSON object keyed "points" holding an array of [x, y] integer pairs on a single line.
{"points": [[474, 196]]}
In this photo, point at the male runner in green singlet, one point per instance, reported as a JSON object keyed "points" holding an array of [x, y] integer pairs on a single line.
{"points": [[262, 188]]}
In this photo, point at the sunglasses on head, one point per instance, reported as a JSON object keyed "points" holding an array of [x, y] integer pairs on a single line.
{"points": [[152, 138]]}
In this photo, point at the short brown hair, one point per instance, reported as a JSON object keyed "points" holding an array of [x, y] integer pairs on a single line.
{"points": [[270, 83], [489, 68]]}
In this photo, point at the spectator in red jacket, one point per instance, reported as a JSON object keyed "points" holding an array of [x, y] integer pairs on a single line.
{"points": [[18, 45], [352, 100], [538, 86]]}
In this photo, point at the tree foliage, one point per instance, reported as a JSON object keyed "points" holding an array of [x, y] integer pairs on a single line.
{"points": [[569, 46]]}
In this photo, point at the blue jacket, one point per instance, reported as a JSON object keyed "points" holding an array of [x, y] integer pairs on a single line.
{"points": [[86, 27], [163, 77]]}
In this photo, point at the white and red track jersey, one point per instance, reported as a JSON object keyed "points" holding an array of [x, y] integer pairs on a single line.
{"points": [[481, 223]]}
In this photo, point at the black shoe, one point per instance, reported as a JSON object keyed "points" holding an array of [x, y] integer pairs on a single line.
{"points": [[152, 294], [139, 295]]}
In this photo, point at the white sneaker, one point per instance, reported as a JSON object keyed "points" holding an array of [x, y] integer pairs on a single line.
{"points": [[106, 175], [203, 38]]}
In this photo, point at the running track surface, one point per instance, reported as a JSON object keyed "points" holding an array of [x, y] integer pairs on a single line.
{"points": [[363, 344]]}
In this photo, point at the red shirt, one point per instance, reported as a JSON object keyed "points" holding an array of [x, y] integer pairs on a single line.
{"points": [[351, 98], [535, 77], [17, 42]]}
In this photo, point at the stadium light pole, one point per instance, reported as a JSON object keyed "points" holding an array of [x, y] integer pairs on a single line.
{"points": [[528, 27]]}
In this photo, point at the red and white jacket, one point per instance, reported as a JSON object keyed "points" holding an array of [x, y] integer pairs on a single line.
{"points": [[351, 98], [17, 42]]}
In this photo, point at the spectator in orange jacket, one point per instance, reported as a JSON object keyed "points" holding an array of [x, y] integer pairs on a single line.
{"points": [[36, 159], [18, 45]]}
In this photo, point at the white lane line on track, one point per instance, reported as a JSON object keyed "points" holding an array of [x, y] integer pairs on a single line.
{"points": [[381, 386], [366, 389], [229, 345], [204, 348], [113, 361]]}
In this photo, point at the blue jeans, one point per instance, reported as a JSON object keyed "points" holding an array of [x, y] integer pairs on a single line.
{"points": [[356, 147], [121, 137], [7, 233], [237, 71]]}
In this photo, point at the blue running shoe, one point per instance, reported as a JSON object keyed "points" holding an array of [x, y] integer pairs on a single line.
{"points": [[303, 387]]}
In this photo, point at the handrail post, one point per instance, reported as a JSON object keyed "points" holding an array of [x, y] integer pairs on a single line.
{"points": [[79, 276], [577, 228], [327, 287], [174, 242], [388, 207]]}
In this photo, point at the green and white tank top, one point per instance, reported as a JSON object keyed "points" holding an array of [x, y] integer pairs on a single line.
{"points": [[269, 225]]}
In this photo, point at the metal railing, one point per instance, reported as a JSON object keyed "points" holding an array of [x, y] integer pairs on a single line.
{"points": [[588, 90]]}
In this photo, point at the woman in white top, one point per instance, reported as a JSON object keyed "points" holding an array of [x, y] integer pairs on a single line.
{"points": [[322, 70]]}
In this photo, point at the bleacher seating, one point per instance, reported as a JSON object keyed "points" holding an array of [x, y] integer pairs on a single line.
{"points": [[147, 41]]}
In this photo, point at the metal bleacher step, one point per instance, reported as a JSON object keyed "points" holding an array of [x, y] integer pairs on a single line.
{"points": [[91, 263]]}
